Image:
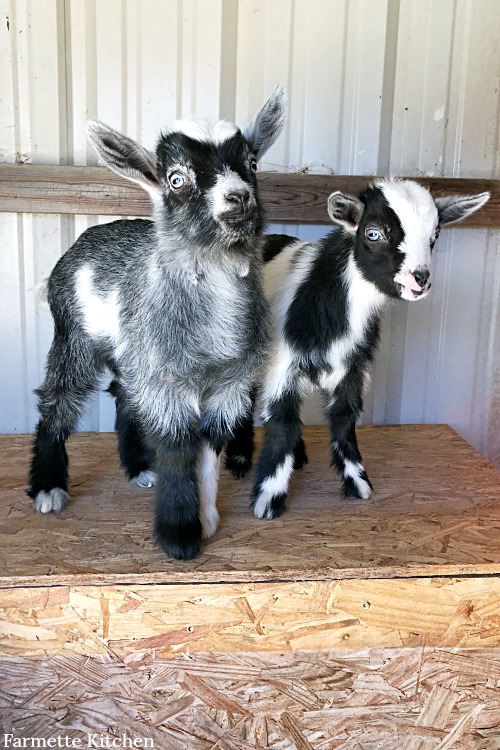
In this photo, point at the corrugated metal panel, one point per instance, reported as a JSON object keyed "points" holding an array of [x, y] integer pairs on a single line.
{"points": [[374, 86]]}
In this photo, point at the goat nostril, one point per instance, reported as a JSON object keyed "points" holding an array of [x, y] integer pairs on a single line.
{"points": [[240, 198], [421, 276]]}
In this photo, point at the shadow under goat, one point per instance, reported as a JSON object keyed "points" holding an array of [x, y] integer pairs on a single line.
{"points": [[327, 314], [174, 308]]}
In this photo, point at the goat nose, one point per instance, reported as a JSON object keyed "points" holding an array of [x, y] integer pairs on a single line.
{"points": [[421, 276], [239, 198]]}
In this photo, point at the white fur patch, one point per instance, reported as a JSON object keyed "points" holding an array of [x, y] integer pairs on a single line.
{"points": [[144, 479], [207, 132], [415, 208], [273, 486], [354, 472], [54, 500], [285, 273], [208, 478], [363, 301], [101, 315], [228, 182], [279, 376]]}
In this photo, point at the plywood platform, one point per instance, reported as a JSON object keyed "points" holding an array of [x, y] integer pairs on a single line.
{"points": [[343, 624]]}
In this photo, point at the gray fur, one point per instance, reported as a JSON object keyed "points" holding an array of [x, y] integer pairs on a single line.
{"points": [[173, 307]]}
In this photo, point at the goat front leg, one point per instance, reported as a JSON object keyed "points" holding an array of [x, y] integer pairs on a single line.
{"points": [[277, 460], [135, 456], [177, 526], [342, 408]]}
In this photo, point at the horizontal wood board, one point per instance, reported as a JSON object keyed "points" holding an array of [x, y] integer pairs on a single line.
{"points": [[370, 699], [287, 198], [253, 617], [435, 512]]}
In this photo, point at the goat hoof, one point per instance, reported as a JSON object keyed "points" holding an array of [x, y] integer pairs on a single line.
{"points": [[144, 479], [264, 508], [360, 490], [179, 541], [239, 466], [52, 501]]}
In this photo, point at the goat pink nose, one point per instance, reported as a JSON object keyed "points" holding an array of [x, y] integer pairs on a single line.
{"points": [[421, 276]]}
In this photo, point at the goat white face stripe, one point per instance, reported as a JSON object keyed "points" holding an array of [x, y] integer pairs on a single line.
{"points": [[417, 213], [101, 315], [226, 183], [273, 486], [206, 132]]}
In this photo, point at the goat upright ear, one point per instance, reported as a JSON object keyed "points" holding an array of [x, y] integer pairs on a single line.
{"points": [[125, 156], [345, 211], [267, 124], [458, 207]]}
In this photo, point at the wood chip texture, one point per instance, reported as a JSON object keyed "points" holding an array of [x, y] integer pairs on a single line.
{"points": [[343, 625]]}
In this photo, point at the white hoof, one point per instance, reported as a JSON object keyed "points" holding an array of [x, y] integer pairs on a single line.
{"points": [[54, 500], [209, 523], [144, 479]]}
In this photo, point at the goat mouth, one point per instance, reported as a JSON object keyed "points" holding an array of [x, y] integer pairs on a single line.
{"points": [[238, 224], [412, 294]]}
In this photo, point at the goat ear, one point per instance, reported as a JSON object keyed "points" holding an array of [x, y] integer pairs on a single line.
{"points": [[345, 210], [458, 207], [125, 156], [267, 124]]}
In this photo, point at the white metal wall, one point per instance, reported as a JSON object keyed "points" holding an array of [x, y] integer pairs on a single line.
{"points": [[375, 86]]}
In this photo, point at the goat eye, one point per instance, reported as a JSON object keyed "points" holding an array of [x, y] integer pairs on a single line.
{"points": [[374, 235], [253, 164], [177, 180]]}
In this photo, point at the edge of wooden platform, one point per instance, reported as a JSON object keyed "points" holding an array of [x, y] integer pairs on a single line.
{"points": [[190, 577]]}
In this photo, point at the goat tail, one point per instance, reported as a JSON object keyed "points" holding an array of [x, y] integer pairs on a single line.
{"points": [[41, 293]]}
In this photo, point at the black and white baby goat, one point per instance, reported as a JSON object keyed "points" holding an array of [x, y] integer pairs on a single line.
{"points": [[327, 317], [174, 308]]}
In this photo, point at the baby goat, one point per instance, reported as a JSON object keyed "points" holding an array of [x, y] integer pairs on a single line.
{"points": [[174, 308], [327, 319]]}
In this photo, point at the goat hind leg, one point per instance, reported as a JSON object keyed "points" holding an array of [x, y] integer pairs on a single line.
{"points": [[342, 409], [135, 456], [277, 460], [240, 447], [70, 376]]}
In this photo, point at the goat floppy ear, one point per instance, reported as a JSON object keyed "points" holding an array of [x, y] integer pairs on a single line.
{"points": [[458, 207], [345, 211], [267, 124], [124, 156]]}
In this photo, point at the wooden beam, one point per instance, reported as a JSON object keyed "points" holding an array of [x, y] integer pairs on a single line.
{"points": [[287, 198]]}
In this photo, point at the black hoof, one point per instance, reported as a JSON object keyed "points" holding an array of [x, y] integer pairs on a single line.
{"points": [[181, 542], [239, 466], [300, 455]]}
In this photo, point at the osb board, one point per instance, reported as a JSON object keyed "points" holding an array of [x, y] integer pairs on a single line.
{"points": [[407, 699], [258, 617], [435, 511]]}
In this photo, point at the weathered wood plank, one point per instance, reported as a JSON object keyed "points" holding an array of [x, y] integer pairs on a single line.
{"points": [[435, 512], [287, 198]]}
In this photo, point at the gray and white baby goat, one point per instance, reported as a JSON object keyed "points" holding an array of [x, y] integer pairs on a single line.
{"points": [[327, 319], [174, 309]]}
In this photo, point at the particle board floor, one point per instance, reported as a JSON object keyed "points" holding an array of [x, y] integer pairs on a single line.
{"points": [[343, 625], [435, 511]]}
